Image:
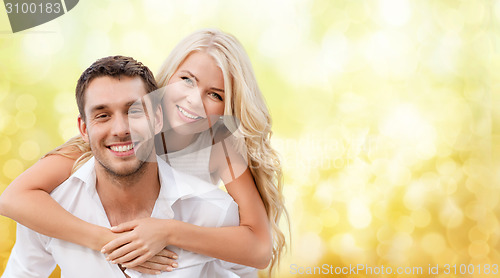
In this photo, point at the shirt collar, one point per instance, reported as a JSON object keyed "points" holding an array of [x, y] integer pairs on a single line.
{"points": [[174, 185]]}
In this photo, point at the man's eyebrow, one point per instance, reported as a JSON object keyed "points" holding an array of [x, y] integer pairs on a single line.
{"points": [[98, 108]]}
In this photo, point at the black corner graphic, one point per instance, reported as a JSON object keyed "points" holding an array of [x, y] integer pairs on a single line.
{"points": [[70, 4], [25, 14]]}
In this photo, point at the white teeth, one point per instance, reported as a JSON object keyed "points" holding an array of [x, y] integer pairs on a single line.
{"points": [[185, 113], [122, 148]]}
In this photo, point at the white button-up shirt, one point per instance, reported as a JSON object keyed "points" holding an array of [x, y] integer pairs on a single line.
{"points": [[181, 197]]}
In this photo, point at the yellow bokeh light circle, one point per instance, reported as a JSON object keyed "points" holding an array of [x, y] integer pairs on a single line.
{"points": [[433, 243], [29, 150], [6, 144], [13, 168], [25, 119], [26, 102]]}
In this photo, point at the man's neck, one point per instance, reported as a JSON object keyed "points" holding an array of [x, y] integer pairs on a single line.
{"points": [[130, 197]]}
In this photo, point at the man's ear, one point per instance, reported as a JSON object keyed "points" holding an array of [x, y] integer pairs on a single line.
{"points": [[82, 126], [158, 119]]}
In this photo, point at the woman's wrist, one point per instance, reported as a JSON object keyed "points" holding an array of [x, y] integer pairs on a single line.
{"points": [[171, 231], [100, 236]]}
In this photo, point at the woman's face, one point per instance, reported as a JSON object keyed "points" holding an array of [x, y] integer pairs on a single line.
{"points": [[194, 96]]}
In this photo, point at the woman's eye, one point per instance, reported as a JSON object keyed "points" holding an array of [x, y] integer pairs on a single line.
{"points": [[135, 111], [216, 95], [188, 80]]}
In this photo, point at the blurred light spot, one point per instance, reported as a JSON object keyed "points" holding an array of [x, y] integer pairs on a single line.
{"points": [[475, 233], [421, 217], [329, 217], [4, 89], [64, 103], [7, 230], [385, 233], [42, 46], [451, 215], [433, 243], [25, 119], [26, 102], [400, 244], [395, 12], [335, 52], [479, 248], [383, 249], [475, 210], [391, 53], [324, 194], [489, 222], [138, 43], [451, 21], [345, 245], [13, 168], [359, 214], [159, 11], [497, 10], [415, 196], [95, 46], [123, 12], [6, 145], [398, 174], [8, 125], [405, 225], [444, 59], [29, 150], [312, 223], [472, 11], [405, 123], [446, 167], [310, 248]]}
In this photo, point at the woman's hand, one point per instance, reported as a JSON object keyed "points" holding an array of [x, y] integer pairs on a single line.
{"points": [[144, 238], [162, 261]]}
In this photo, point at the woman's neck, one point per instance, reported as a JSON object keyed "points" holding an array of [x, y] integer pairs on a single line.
{"points": [[175, 141]]}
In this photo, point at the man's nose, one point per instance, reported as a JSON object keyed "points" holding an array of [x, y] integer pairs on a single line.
{"points": [[120, 126]]}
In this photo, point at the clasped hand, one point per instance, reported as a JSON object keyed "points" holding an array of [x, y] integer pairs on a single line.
{"points": [[140, 245]]}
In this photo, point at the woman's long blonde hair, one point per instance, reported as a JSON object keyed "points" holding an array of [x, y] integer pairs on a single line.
{"points": [[244, 101]]}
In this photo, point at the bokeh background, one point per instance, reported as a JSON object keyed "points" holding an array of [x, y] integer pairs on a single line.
{"points": [[386, 114]]}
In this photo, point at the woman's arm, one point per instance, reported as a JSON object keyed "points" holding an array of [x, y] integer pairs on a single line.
{"points": [[248, 244], [27, 201]]}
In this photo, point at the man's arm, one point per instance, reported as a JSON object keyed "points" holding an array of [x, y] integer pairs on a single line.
{"points": [[29, 257]]}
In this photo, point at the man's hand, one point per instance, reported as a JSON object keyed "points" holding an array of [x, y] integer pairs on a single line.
{"points": [[162, 261]]}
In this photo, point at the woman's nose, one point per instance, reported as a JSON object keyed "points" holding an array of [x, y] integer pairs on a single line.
{"points": [[194, 97]]}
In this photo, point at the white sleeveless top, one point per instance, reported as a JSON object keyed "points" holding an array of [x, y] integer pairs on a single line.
{"points": [[194, 159]]}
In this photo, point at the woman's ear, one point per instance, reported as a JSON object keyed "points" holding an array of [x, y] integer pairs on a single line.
{"points": [[82, 126]]}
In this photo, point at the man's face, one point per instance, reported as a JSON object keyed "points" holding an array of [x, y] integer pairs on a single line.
{"points": [[117, 127]]}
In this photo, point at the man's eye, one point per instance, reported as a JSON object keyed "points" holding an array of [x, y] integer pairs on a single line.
{"points": [[101, 116]]}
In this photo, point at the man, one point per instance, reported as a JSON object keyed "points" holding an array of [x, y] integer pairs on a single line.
{"points": [[124, 181]]}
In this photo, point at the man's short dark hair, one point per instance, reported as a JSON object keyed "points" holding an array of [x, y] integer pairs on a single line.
{"points": [[113, 66]]}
